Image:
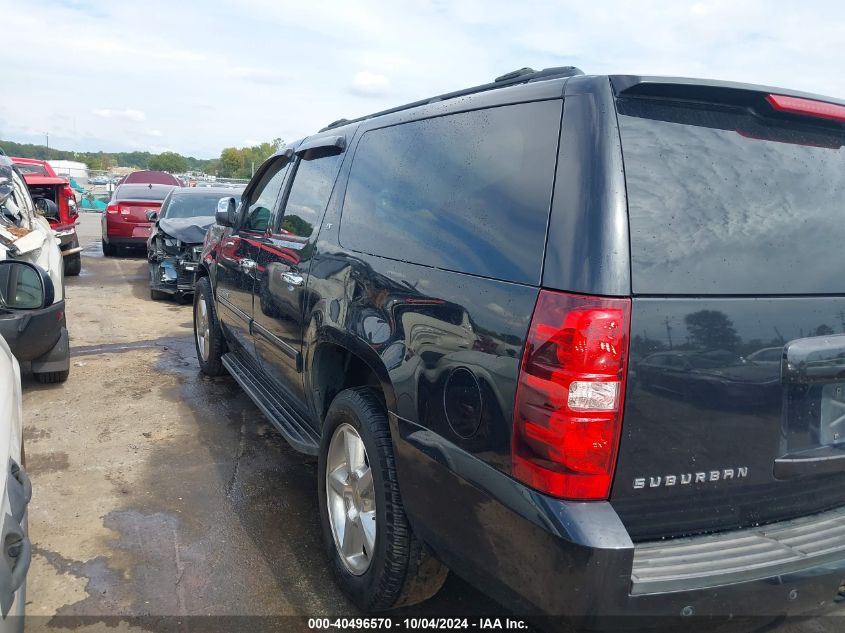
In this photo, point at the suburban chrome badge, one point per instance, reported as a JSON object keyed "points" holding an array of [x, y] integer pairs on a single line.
{"points": [[685, 479]]}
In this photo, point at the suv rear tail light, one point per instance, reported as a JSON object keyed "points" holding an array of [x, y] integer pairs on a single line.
{"points": [[570, 393], [808, 107]]}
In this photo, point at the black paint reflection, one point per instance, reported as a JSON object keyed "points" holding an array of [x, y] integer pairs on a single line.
{"points": [[451, 353], [707, 391]]}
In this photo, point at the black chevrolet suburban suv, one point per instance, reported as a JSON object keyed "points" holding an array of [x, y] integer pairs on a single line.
{"points": [[519, 326]]}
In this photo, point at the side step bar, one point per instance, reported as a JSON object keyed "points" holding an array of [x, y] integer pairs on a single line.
{"points": [[293, 427]]}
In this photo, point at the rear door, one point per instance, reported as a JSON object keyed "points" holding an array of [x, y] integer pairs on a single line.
{"points": [[737, 225], [238, 251]]}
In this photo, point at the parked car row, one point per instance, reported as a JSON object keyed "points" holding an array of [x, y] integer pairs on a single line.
{"points": [[39, 335], [44, 184], [32, 329]]}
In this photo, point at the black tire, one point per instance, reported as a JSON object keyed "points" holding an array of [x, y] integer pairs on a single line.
{"points": [[213, 365], [109, 250], [73, 265], [158, 295], [51, 377], [402, 571]]}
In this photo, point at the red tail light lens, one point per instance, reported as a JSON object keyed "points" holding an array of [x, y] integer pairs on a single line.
{"points": [[808, 107], [70, 200], [568, 409], [112, 208]]}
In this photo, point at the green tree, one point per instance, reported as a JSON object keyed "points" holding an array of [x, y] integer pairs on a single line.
{"points": [[230, 163], [711, 330], [168, 161]]}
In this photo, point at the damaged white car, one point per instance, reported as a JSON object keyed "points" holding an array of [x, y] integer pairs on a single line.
{"points": [[38, 334]]}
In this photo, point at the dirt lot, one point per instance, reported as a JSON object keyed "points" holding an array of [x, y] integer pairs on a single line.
{"points": [[164, 495]]}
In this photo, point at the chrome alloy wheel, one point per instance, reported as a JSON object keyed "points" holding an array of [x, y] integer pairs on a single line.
{"points": [[350, 496], [202, 328]]}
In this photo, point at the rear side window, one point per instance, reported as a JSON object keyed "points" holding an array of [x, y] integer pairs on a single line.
{"points": [[309, 193], [723, 202], [468, 192], [38, 170]]}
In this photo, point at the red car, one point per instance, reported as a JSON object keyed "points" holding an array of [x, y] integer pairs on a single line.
{"points": [[43, 182], [126, 222]]}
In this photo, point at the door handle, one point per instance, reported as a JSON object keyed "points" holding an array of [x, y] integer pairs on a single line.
{"points": [[248, 265], [293, 279]]}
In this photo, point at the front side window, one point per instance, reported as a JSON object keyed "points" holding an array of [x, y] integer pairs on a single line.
{"points": [[263, 198], [468, 192], [309, 193]]}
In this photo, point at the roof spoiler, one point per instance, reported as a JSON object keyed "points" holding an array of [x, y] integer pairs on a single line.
{"points": [[765, 100]]}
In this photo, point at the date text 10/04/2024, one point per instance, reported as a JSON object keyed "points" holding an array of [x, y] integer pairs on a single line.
{"points": [[417, 623]]}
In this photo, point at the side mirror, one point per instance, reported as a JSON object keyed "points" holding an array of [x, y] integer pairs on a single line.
{"points": [[152, 216], [225, 215], [24, 286], [47, 208]]}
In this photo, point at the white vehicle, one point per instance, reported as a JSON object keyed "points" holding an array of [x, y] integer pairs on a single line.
{"points": [[40, 335], [23, 288]]}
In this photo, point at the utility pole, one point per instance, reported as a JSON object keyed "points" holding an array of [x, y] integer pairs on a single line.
{"points": [[668, 331], [47, 134]]}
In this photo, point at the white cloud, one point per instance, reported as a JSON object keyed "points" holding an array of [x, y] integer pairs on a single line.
{"points": [[155, 133], [370, 83], [129, 114], [257, 74], [211, 78]]}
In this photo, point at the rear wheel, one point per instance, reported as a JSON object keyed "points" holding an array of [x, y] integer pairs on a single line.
{"points": [[376, 559], [208, 337], [73, 265], [109, 250], [50, 377]]}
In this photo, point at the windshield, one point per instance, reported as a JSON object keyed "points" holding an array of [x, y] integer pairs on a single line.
{"points": [[722, 201], [141, 192], [32, 169], [192, 205]]}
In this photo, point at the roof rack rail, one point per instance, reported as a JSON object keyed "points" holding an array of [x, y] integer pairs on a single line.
{"points": [[520, 76]]}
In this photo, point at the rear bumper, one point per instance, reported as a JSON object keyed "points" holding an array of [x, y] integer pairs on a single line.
{"points": [[68, 241], [545, 557], [135, 242], [121, 233]]}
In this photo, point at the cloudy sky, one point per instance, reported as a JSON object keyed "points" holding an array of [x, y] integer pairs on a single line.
{"points": [[196, 77]]}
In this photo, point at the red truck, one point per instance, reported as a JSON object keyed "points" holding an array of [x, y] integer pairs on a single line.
{"points": [[43, 182]]}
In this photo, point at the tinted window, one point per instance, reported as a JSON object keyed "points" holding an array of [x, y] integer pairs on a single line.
{"points": [[141, 192], [263, 198], [722, 202], [32, 169], [468, 192], [192, 205], [309, 194]]}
